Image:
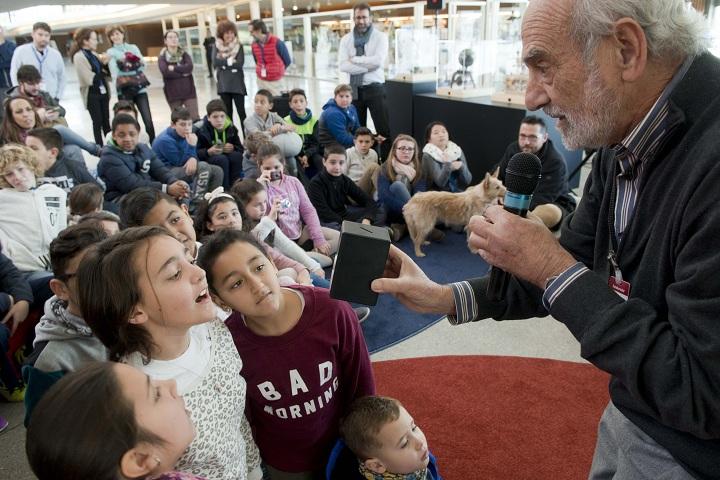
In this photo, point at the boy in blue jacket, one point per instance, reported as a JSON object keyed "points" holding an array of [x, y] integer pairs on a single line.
{"points": [[176, 147], [339, 119], [125, 164], [380, 440]]}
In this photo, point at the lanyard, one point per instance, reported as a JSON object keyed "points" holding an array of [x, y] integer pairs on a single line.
{"points": [[40, 58], [613, 244]]}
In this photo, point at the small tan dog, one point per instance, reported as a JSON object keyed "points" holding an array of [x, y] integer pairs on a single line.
{"points": [[425, 209]]}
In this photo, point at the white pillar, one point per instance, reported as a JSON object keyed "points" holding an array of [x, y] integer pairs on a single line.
{"points": [[164, 27], [202, 31], [254, 10], [452, 13], [277, 17], [492, 15], [230, 12], [175, 23], [307, 36], [212, 18], [419, 11]]}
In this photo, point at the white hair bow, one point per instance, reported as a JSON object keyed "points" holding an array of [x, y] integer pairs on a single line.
{"points": [[217, 193]]}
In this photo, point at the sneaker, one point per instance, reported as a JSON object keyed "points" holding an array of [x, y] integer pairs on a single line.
{"points": [[436, 235], [3, 424], [398, 231], [15, 395], [362, 313]]}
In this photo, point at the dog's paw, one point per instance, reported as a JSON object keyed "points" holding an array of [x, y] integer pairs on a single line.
{"points": [[426, 242], [419, 254]]}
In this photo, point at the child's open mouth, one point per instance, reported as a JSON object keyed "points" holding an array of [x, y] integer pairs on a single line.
{"points": [[203, 297]]}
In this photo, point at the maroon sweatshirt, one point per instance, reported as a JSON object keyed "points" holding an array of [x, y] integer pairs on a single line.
{"points": [[300, 384]]}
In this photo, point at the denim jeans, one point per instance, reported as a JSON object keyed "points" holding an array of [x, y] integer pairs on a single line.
{"points": [[71, 137]]}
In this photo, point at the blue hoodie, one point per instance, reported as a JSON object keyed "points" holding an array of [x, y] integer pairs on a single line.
{"points": [[123, 172], [172, 149], [337, 125]]}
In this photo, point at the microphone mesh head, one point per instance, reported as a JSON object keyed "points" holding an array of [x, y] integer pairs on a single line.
{"points": [[522, 173]]}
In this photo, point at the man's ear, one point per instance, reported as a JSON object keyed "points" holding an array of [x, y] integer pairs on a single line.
{"points": [[138, 462], [184, 208], [54, 152], [60, 290], [375, 465], [630, 49]]}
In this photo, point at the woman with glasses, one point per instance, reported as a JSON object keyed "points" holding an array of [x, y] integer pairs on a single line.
{"points": [[400, 178]]}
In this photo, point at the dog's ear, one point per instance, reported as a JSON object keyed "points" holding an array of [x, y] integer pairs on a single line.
{"points": [[496, 172], [486, 181]]}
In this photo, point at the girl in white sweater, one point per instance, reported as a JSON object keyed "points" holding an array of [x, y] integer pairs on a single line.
{"points": [[160, 318]]}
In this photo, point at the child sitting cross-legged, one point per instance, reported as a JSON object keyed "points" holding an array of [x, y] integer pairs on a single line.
{"points": [[63, 340], [331, 192], [305, 358], [306, 125], [262, 223], [109, 421], [383, 442], [218, 142], [297, 217], [275, 128], [126, 164], [176, 148], [362, 161], [161, 320]]}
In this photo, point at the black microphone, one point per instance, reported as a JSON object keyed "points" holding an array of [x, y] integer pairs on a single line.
{"points": [[522, 175]]}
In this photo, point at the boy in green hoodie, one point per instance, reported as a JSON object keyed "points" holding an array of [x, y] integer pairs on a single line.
{"points": [[310, 158], [219, 142]]}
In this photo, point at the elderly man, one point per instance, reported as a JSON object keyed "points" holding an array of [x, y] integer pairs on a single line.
{"points": [[42, 56], [634, 275], [362, 55]]}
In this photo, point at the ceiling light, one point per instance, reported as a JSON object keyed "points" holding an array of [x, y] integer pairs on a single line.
{"points": [[295, 7]]}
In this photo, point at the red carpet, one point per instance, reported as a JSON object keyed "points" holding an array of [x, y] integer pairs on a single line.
{"points": [[498, 418]]}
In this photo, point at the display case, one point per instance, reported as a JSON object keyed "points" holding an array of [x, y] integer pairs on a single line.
{"points": [[465, 68], [415, 55], [511, 75]]}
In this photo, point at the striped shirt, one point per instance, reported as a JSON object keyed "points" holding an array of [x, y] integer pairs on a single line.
{"points": [[632, 154]]}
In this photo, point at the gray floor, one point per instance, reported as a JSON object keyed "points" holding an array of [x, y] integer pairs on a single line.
{"points": [[543, 338]]}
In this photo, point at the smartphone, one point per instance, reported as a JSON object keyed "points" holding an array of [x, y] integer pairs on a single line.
{"points": [[275, 175]]}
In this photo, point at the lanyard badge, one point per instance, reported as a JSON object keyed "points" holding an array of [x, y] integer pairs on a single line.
{"points": [[615, 281]]}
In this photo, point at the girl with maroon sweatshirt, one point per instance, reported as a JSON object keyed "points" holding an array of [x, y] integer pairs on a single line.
{"points": [[304, 354]]}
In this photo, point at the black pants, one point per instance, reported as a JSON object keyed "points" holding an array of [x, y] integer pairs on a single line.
{"points": [[99, 108], [239, 99], [231, 164], [143, 105], [372, 97]]}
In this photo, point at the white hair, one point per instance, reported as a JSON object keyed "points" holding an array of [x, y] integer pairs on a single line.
{"points": [[673, 29]]}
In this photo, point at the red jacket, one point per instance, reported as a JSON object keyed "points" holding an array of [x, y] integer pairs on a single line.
{"points": [[267, 57]]}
